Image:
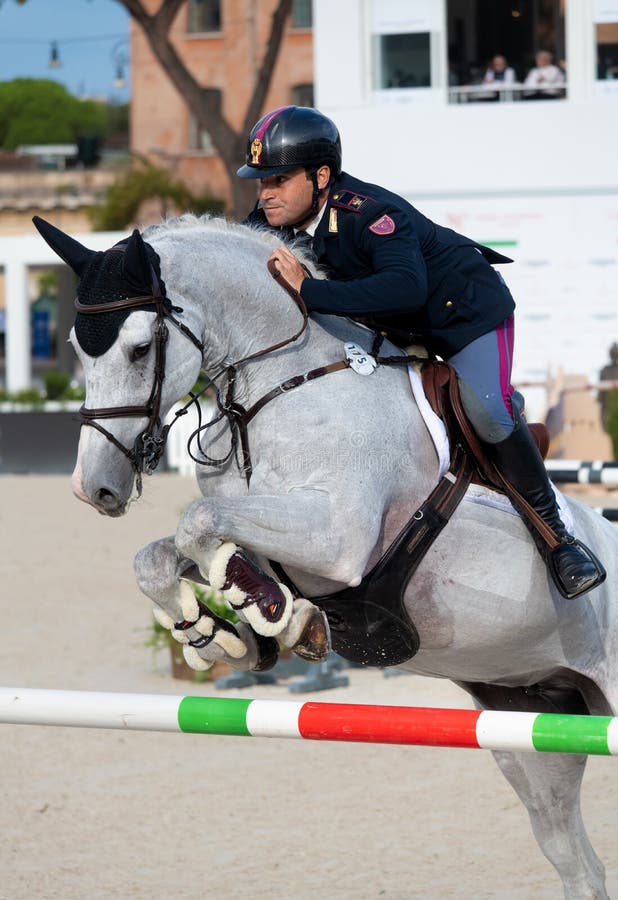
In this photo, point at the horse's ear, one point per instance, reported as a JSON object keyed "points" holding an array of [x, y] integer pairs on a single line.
{"points": [[135, 263], [68, 249]]}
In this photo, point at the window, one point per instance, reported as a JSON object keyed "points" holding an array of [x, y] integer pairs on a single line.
{"points": [[301, 14], [481, 32], [204, 16], [199, 139], [302, 95], [401, 56], [401, 61], [607, 50]]}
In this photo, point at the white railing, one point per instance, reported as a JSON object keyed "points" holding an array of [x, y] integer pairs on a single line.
{"points": [[507, 93]]}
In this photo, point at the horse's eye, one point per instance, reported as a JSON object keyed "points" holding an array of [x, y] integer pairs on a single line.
{"points": [[140, 351]]}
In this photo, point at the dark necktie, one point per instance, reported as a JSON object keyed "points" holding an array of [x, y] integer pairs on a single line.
{"points": [[303, 241]]}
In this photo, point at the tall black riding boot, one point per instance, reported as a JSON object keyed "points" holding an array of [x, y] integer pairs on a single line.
{"points": [[574, 568]]}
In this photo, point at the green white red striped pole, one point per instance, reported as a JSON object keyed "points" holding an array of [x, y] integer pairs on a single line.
{"points": [[487, 729]]}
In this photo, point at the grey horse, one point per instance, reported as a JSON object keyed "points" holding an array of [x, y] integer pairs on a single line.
{"points": [[338, 465]]}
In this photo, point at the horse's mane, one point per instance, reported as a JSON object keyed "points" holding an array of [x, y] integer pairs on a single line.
{"points": [[342, 328], [253, 234]]}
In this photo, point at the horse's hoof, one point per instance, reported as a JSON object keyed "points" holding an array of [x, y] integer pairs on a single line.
{"points": [[314, 642], [268, 653]]}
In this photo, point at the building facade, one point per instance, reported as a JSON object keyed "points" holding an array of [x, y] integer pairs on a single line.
{"points": [[222, 42]]}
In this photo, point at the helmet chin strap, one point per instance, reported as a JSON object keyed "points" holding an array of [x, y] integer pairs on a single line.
{"points": [[316, 193]]}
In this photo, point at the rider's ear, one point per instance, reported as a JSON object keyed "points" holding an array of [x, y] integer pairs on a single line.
{"points": [[68, 249], [323, 177], [136, 265]]}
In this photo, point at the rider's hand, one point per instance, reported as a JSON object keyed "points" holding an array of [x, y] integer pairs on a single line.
{"points": [[289, 266]]}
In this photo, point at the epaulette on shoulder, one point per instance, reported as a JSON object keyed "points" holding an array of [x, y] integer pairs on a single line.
{"points": [[350, 200]]}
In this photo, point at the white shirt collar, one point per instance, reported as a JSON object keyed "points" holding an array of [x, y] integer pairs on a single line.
{"points": [[312, 226]]}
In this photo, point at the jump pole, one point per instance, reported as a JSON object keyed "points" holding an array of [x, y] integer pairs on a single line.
{"points": [[487, 729], [577, 471]]}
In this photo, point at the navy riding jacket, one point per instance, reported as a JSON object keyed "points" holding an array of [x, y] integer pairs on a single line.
{"points": [[393, 268]]}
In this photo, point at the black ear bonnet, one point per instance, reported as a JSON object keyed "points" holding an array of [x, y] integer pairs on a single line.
{"points": [[130, 269], [106, 279]]}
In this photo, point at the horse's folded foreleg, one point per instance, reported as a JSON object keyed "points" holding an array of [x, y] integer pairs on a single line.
{"points": [[254, 595], [205, 636], [269, 606], [301, 529], [209, 638]]}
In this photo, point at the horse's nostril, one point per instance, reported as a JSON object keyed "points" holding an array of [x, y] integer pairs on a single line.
{"points": [[105, 497]]}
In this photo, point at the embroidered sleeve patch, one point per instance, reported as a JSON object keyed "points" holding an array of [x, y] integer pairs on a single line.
{"points": [[383, 225]]}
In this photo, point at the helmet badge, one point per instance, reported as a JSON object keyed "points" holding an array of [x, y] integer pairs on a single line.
{"points": [[256, 152]]}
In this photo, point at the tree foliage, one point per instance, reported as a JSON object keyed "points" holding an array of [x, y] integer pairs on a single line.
{"points": [[39, 111], [146, 182]]}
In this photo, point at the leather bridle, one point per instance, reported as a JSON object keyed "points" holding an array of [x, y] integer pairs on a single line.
{"points": [[149, 445]]}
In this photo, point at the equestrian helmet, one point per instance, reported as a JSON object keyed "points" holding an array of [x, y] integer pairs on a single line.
{"points": [[289, 137]]}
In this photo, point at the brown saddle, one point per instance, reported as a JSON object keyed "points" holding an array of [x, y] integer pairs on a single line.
{"points": [[442, 390]]}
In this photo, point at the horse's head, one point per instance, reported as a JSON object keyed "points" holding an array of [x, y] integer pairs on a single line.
{"points": [[135, 367]]}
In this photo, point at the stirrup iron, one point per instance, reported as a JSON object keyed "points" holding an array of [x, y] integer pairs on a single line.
{"points": [[600, 577]]}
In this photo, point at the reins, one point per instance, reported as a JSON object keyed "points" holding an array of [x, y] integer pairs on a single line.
{"points": [[237, 416]]}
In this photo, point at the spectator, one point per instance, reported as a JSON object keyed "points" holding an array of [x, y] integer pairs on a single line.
{"points": [[499, 71], [545, 80]]}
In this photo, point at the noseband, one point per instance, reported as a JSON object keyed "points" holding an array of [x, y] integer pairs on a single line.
{"points": [[149, 445]]}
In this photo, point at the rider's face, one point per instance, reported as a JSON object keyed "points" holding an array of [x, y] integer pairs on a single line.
{"points": [[286, 198]]}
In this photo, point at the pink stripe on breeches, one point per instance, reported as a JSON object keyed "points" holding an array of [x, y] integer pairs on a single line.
{"points": [[484, 368]]}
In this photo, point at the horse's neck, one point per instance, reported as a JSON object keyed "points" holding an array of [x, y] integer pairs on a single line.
{"points": [[243, 311], [234, 304]]}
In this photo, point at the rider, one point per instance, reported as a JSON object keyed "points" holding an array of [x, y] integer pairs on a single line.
{"points": [[394, 269]]}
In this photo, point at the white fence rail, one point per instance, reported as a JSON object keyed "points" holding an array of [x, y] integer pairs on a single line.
{"points": [[581, 472]]}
